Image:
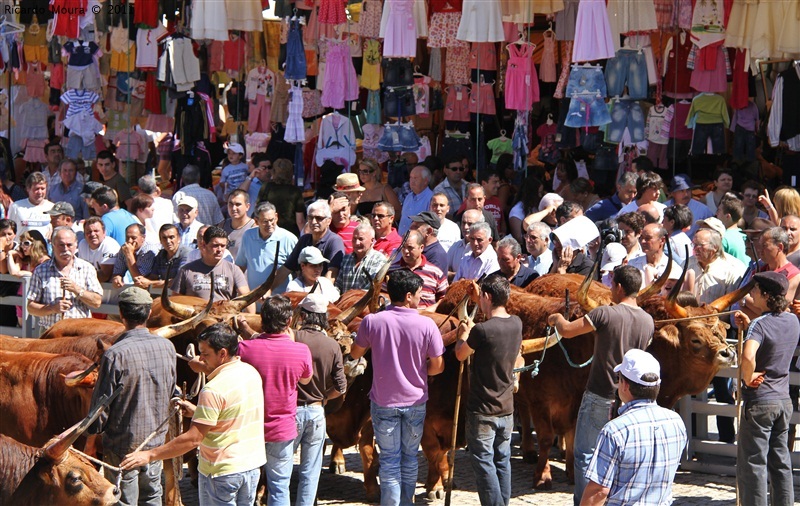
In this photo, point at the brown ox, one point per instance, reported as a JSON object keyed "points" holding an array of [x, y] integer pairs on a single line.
{"points": [[90, 346], [53, 474], [73, 327], [37, 402]]}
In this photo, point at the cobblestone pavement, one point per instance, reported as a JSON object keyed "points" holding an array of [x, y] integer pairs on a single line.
{"points": [[689, 487]]}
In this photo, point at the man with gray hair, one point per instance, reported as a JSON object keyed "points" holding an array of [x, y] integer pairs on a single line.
{"points": [[537, 242], [509, 257], [481, 259], [209, 211], [418, 200], [709, 274], [67, 188], [606, 208], [322, 237], [64, 286], [460, 248], [427, 224], [653, 263], [256, 255], [163, 210], [362, 262], [476, 199]]}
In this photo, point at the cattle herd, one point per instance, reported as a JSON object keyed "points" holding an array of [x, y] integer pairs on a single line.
{"points": [[47, 382]]}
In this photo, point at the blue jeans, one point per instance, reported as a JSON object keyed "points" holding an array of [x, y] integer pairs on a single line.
{"points": [[744, 144], [489, 443], [398, 432], [626, 113], [310, 438], [279, 471], [763, 450], [628, 66], [237, 489], [592, 416], [705, 131], [138, 486]]}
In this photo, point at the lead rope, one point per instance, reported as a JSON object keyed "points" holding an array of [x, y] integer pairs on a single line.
{"points": [[699, 317], [536, 363], [200, 382]]}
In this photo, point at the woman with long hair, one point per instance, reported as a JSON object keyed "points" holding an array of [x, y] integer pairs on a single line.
{"points": [[369, 173], [786, 200], [528, 198], [31, 253]]}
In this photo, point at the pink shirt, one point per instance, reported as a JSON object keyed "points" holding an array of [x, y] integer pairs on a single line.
{"points": [[281, 363]]}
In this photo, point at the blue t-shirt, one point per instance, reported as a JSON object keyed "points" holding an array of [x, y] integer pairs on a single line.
{"points": [[116, 222], [257, 255], [233, 175]]}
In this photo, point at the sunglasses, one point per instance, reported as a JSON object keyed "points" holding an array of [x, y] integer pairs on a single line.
{"points": [[317, 218], [368, 171], [27, 244], [459, 168], [380, 216]]}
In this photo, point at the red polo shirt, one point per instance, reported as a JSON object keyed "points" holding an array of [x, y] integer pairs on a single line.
{"points": [[389, 243], [346, 234]]}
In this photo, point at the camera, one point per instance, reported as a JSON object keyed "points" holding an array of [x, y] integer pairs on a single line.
{"points": [[609, 231]]}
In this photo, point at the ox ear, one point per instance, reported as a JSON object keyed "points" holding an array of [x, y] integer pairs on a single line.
{"points": [[79, 379], [669, 333], [102, 346]]}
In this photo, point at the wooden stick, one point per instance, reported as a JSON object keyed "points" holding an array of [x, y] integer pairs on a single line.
{"points": [[739, 349], [452, 457]]}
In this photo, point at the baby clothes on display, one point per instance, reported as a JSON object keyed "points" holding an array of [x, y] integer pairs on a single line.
{"points": [[675, 121], [341, 81], [234, 54], [34, 150], [481, 98], [627, 67], [457, 106], [147, 46], [499, 146], [675, 72], [336, 141], [708, 115], [295, 131], [421, 90], [34, 80], [399, 29], [399, 137], [657, 136], [548, 151], [35, 42], [295, 53], [522, 84], [82, 70], [547, 69], [626, 116], [372, 134], [178, 66], [481, 21], [332, 12], [483, 56], [744, 125], [130, 145], [709, 76], [630, 16], [374, 111], [371, 67], [445, 20], [260, 88], [586, 90], [456, 65], [81, 122], [708, 26], [369, 23], [593, 38]]}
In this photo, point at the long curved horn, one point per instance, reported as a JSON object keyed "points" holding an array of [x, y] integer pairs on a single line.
{"points": [[674, 309], [536, 345], [376, 284], [587, 303], [243, 301], [56, 450], [348, 314], [656, 287], [175, 309], [175, 329], [729, 299], [75, 380]]}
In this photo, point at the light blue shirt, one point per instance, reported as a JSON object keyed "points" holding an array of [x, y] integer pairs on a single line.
{"points": [[189, 234], [413, 204], [116, 222], [542, 263], [72, 195], [256, 255], [472, 267]]}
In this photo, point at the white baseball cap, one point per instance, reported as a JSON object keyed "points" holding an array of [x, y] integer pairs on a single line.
{"points": [[311, 255], [236, 148], [186, 200], [613, 256], [637, 363]]}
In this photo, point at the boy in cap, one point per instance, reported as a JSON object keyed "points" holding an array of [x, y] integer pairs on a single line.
{"points": [[638, 452], [770, 342], [311, 265], [235, 172]]}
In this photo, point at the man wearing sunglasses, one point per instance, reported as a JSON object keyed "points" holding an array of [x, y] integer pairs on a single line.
{"points": [[453, 185]]}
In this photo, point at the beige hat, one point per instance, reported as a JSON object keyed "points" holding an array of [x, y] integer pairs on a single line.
{"points": [[186, 200], [311, 255], [315, 303], [135, 295], [713, 224], [348, 182]]}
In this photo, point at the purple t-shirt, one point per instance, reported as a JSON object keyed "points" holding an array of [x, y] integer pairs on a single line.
{"points": [[281, 363], [401, 341]]}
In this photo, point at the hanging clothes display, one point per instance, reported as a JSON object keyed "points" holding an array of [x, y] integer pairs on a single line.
{"points": [[784, 120], [593, 37], [341, 82], [295, 131], [481, 21], [369, 23], [295, 53], [522, 83], [399, 29], [337, 141], [260, 88], [547, 69], [445, 20]]}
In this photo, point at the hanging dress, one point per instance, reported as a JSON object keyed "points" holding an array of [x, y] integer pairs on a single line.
{"points": [[481, 21], [295, 53], [547, 69], [593, 39], [295, 131], [522, 85], [369, 23], [341, 81], [331, 12], [399, 29]]}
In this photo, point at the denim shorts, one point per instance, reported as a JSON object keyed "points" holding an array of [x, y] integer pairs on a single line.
{"points": [[627, 67], [398, 102], [76, 147], [626, 113], [399, 137], [397, 72], [586, 80], [587, 109]]}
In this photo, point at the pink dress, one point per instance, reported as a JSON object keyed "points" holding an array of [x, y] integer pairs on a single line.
{"points": [[369, 23], [331, 12], [547, 69], [593, 39], [522, 84], [399, 30], [341, 82]]}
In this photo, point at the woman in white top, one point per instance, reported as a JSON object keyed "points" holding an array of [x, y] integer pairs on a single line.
{"points": [[311, 261]]}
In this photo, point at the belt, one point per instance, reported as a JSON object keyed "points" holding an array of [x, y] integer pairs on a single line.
{"points": [[308, 404]]}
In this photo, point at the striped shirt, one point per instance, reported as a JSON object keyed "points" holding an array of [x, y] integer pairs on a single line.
{"points": [[281, 363], [351, 274], [434, 281], [145, 258], [232, 403], [46, 289], [638, 453]]}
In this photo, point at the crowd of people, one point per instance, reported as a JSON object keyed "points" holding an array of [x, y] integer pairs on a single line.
{"points": [[69, 234]]}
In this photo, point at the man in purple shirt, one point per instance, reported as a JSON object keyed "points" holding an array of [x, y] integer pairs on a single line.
{"points": [[406, 349], [282, 364]]}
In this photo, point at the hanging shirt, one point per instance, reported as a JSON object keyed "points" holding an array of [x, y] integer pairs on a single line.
{"points": [[81, 53]]}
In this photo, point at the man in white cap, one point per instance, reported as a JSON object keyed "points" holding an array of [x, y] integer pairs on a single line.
{"points": [[328, 382], [613, 256], [235, 172], [638, 452], [209, 210], [619, 328], [311, 264], [187, 223]]}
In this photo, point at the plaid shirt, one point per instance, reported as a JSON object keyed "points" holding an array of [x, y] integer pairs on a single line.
{"points": [[638, 453], [351, 275], [145, 259], [144, 365], [45, 289], [161, 263]]}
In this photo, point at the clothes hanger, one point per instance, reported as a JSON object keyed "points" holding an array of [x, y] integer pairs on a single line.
{"points": [[503, 134], [8, 27], [549, 118], [549, 27]]}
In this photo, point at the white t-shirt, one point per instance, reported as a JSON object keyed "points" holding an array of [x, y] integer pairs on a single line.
{"points": [[632, 206], [30, 217], [326, 288], [147, 46], [517, 212], [105, 254], [448, 234], [163, 213]]}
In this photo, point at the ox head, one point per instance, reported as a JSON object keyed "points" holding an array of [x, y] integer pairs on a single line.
{"points": [[191, 322], [60, 476]]}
